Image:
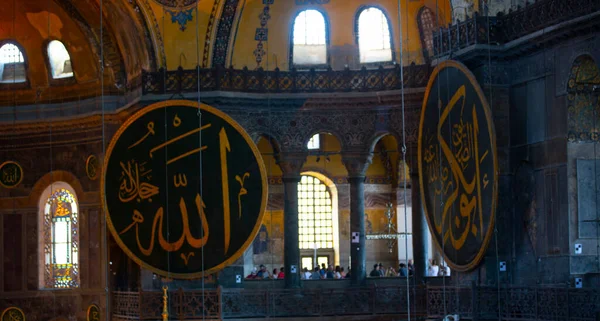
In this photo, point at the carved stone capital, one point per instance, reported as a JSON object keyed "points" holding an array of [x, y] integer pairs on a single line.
{"points": [[291, 164], [357, 163]]}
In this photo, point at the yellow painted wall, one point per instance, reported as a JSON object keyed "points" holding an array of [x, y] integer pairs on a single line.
{"points": [[334, 167], [341, 16], [180, 46]]}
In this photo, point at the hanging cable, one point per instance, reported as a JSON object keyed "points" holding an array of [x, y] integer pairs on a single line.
{"points": [[404, 157], [491, 99], [51, 258], [441, 200], [199, 104], [105, 235]]}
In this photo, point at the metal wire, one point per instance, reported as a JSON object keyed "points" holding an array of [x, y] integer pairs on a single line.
{"points": [[404, 159], [200, 143], [105, 234]]}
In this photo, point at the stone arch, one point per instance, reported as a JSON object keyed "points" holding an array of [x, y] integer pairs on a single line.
{"points": [[256, 137], [372, 142], [334, 133], [153, 34], [53, 177], [583, 119]]}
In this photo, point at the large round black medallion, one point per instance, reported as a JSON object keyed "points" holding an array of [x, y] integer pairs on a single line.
{"points": [[12, 314], [185, 189], [458, 165]]}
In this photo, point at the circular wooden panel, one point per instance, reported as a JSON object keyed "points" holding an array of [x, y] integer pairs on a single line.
{"points": [[185, 189], [458, 165]]}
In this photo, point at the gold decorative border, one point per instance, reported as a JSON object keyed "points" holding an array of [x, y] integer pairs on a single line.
{"points": [[88, 311], [12, 308], [491, 131], [87, 162], [20, 168], [255, 151]]}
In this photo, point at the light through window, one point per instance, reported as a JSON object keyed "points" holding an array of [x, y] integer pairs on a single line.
{"points": [[315, 222], [309, 45], [314, 142], [60, 61], [12, 64], [374, 40], [61, 240]]}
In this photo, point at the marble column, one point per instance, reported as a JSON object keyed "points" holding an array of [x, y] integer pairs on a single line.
{"points": [[419, 230], [357, 165], [291, 165]]}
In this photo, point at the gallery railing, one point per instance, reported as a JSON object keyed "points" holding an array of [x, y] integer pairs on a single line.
{"points": [[183, 305], [507, 27], [241, 303], [514, 303], [277, 81], [473, 303]]}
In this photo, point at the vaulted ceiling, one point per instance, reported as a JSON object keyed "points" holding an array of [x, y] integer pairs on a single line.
{"points": [[136, 35]]}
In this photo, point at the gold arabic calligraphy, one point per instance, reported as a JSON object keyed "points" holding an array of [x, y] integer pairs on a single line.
{"points": [[449, 179], [131, 188]]}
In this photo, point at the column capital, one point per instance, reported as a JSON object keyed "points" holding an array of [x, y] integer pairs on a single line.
{"points": [[291, 164], [357, 163]]}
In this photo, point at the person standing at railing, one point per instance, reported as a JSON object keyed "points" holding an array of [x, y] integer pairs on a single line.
{"points": [[375, 272], [316, 275], [402, 270], [434, 269]]}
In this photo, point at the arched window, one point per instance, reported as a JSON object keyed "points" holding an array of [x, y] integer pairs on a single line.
{"points": [[427, 24], [60, 60], [314, 142], [59, 237], [374, 41], [309, 39], [12, 64], [315, 214]]}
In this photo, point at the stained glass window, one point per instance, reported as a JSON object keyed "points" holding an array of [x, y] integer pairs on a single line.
{"points": [[310, 44], [61, 246], [374, 40], [427, 24], [315, 221]]}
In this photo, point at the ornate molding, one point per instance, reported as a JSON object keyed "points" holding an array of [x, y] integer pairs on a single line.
{"points": [[291, 164], [357, 163]]}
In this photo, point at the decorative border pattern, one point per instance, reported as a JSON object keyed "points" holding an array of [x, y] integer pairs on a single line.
{"points": [[137, 8], [207, 38], [176, 3], [182, 17], [262, 33], [224, 33]]}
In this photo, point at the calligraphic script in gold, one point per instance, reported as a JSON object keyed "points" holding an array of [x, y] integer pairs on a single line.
{"points": [[93, 313], [458, 165], [184, 188], [12, 314], [91, 167], [11, 174]]}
